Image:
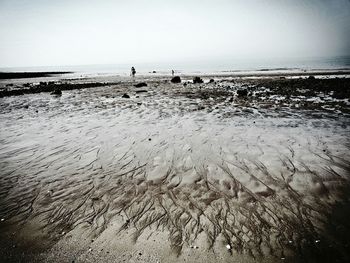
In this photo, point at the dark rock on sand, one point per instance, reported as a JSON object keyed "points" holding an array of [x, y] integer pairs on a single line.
{"points": [[242, 93], [50, 87], [126, 96], [141, 91], [311, 77], [211, 81], [140, 85], [176, 79], [197, 80]]}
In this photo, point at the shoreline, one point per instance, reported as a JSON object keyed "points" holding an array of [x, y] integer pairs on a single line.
{"points": [[23, 75]]}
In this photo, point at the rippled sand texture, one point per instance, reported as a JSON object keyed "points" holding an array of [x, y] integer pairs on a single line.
{"points": [[159, 163]]}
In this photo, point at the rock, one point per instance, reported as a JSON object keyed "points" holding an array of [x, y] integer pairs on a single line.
{"points": [[126, 96], [140, 85], [211, 81], [141, 91], [185, 84], [197, 80], [242, 93], [154, 71], [311, 77], [57, 92], [228, 246], [176, 79]]}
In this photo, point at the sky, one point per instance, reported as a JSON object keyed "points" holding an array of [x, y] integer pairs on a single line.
{"points": [[78, 32]]}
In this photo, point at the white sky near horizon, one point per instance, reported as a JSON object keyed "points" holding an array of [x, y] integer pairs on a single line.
{"points": [[77, 32]]}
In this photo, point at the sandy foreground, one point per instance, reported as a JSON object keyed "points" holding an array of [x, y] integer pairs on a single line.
{"points": [[176, 173]]}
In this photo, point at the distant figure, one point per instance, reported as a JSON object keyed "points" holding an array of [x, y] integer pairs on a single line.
{"points": [[172, 72], [133, 72]]}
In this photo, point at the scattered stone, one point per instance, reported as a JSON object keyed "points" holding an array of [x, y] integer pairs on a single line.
{"points": [[211, 81], [126, 96], [317, 241], [228, 246], [140, 253], [140, 85], [149, 139], [26, 106], [242, 93], [2, 219], [197, 80], [154, 71], [176, 79], [141, 91], [311, 77]]}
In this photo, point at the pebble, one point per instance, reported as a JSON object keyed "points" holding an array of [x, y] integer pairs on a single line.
{"points": [[2, 219], [317, 241], [228, 246]]}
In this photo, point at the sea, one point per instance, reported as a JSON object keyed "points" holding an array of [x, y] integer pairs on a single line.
{"points": [[197, 66]]}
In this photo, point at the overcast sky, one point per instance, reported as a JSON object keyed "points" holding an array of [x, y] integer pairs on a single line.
{"points": [[76, 32]]}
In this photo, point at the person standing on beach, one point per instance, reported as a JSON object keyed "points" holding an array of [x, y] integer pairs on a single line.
{"points": [[133, 72], [172, 72]]}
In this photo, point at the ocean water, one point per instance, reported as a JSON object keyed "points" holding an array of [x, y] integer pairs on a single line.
{"points": [[198, 66]]}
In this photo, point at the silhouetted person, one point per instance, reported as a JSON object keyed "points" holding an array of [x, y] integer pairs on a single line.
{"points": [[172, 72], [133, 72]]}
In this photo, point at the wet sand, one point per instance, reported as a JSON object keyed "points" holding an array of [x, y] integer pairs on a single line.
{"points": [[176, 173]]}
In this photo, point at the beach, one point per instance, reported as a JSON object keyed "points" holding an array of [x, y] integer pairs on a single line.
{"points": [[242, 167]]}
